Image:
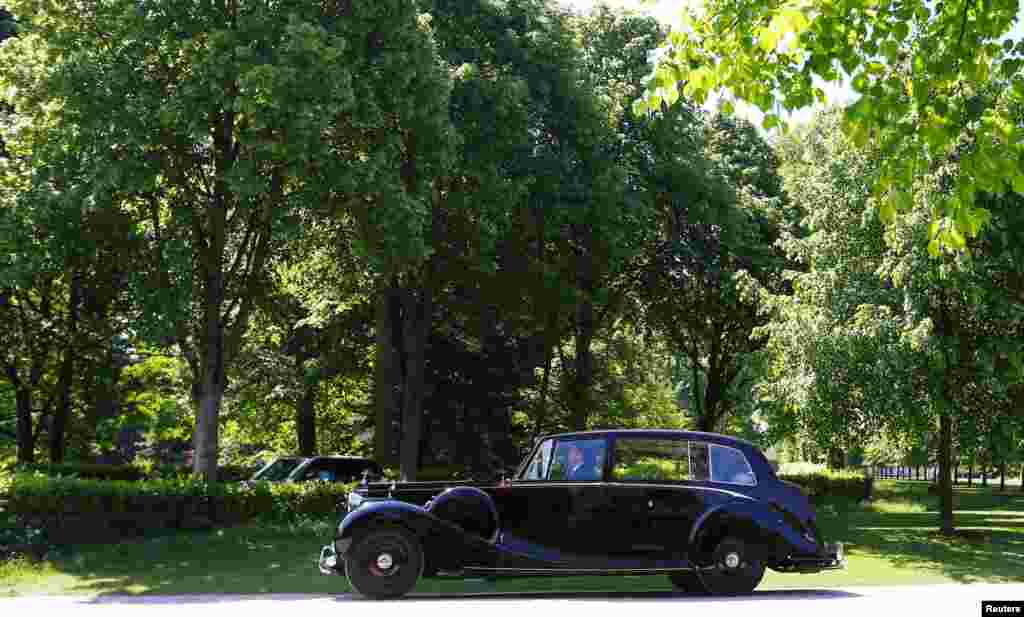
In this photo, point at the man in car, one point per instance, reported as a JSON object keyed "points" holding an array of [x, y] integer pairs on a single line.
{"points": [[581, 464]]}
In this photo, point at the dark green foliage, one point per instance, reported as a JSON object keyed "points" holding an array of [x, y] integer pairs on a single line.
{"points": [[76, 510], [129, 473], [87, 471], [820, 485]]}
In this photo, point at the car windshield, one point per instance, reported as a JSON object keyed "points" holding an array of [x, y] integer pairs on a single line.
{"points": [[278, 470]]}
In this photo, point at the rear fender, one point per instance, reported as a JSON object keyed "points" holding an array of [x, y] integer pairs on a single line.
{"points": [[766, 530]]}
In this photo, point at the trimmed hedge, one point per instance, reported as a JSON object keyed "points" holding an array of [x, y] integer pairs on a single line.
{"points": [[75, 510], [100, 471], [829, 483]]}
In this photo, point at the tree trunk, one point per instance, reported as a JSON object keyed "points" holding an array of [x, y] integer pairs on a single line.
{"points": [[970, 472], [386, 377], [1002, 476], [984, 475], [24, 429], [956, 473], [417, 317], [305, 419], [836, 458], [583, 365], [67, 375], [545, 381], [714, 391], [945, 483], [206, 439]]}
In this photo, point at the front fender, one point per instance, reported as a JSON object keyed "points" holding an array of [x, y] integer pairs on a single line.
{"points": [[762, 526], [380, 513], [446, 546]]}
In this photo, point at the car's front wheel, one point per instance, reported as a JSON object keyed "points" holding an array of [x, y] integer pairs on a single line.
{"points": [[733, 569], [384, 563]]}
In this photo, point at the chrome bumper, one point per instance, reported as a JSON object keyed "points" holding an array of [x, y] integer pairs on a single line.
{"points": [[832, 558]]}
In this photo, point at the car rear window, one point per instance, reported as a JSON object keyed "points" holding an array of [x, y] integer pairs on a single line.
{"points": [[731, 466]]}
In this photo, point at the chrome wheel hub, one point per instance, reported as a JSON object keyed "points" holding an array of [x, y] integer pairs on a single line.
{"points": [[385, 561], [732, 560]]}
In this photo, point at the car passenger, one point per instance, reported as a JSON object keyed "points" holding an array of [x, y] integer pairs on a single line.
{"points": [[582, 465]]}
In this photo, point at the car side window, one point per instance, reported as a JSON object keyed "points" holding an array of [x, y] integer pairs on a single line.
{"points": [[645, 459], [538, 467], [579, 460], [730, 465]]}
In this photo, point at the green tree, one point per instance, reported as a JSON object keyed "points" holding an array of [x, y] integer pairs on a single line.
{"points": [[213, 121], [881, 338], [916, 66], [714, 257]]}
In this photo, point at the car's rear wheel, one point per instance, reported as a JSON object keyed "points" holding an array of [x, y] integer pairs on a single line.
{"points": [[733, 569], [687, 582], [384, 563]]}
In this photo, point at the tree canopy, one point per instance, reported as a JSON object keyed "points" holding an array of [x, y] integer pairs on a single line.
{"points": [[918, 69]]}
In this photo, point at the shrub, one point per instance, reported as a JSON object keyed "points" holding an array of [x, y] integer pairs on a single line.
{"points": [[822, 482], [79, 510], [96, 471], [99, 471]]}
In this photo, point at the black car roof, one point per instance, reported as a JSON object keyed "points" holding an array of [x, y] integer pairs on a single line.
{"points": [[658, 432], [754, 454]]}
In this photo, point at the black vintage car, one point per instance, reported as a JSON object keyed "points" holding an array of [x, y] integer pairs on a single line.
{"points": [[705, 509]]}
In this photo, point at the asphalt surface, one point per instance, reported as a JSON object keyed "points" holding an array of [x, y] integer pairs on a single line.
{"points": [[918, 601]]}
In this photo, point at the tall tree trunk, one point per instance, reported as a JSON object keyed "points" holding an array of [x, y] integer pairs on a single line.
{"points": [[1002, 476], [713, 390], [696, 390], [24, 429], [417, 309], [207, 435], [583, 365], [945, 482], [709, 419], [67, 374], [305, 418], [386, 376], [211, 351], [545, 381]]}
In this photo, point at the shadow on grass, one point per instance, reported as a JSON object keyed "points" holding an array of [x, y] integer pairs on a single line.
{"points": [[595, 595], [777, 594], [273, 560], [988, 546]]}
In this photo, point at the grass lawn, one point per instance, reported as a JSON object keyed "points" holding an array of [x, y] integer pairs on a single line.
{"points": [[890, 542]]}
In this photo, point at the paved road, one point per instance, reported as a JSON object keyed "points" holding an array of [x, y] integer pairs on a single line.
{"points": [[918, 601]]}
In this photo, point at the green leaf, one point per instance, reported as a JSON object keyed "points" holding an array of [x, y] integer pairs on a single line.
{"points": [[1018, 184], [768, 38], [886, 211]]}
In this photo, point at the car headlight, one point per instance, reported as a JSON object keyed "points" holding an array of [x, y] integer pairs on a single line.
{"points": [[354, 500]]}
